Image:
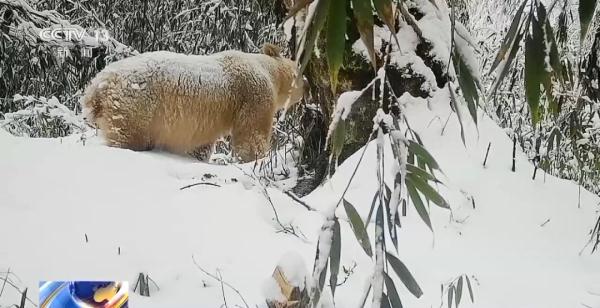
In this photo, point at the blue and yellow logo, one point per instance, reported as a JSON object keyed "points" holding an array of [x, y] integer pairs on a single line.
{"points": [[87, 294]]}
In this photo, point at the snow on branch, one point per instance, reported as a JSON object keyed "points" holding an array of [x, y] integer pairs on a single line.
{"points": [[24, 23]]}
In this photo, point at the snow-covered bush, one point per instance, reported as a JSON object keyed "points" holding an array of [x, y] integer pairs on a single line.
{"points": [[563, 136], [415, 51], [41, 117]]}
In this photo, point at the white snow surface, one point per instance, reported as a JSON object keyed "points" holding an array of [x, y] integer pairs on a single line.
{"points": [[521, 242]]}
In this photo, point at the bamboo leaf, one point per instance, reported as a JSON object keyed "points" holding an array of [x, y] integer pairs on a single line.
{"points": [[550, 143], [470, 289], [336, 39], [334, 255], [338, 138], [392, 292], [404, 274], [363, 13], [311, 33], [427, 191], [468, 84], [385, 301], [511, 56], [459, 287], [422, 154], [363, 300], [319, 291], [586, 13], [418, 203], [385, 10], [509, 38], [373, 203], [450, 296], [534, 69], [392, 227], [358, 228]]}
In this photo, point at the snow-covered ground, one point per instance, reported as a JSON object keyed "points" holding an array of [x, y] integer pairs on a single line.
{"points": [[520, 244]]}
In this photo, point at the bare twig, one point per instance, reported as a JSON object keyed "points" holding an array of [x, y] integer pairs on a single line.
{"points": [[545, 222], [222, 288], [285, 229], [221, 281], [4, 283], [487, 152], [10, 283]]}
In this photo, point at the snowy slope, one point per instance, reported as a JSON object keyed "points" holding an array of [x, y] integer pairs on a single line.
{"points": [[55, 192]]}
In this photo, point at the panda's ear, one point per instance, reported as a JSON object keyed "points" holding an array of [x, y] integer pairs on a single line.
{"points": [[271, 50]]}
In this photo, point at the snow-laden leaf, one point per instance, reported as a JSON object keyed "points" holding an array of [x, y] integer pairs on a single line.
{"points": [[311, 33], [404, 274], [363, 13], [392, 292], [455, 107], [358, 227], [418, 203], [317, 295], [586, 12], [392, 217], [470, 288], [334, 256], [378, 295], [535, 72], [427, 191], [336, 39], [510, 37]]}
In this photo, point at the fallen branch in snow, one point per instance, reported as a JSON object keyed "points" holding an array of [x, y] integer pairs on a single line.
{"points": [[200, 183], [285, 229], [7, 280], [220, 280], [298, 200]]}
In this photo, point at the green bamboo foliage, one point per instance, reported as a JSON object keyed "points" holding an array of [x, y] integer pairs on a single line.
{"points": [[533, 27]]}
